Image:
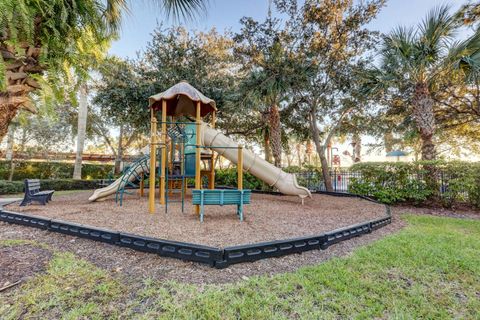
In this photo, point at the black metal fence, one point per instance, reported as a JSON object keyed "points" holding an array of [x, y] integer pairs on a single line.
{"points": [[342, 179], [313, 180]]}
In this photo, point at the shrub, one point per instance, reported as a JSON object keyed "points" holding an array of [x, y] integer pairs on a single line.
{"points": [[11, 187], [393, 182], [390, 182], [52, 170], [228, 177]]}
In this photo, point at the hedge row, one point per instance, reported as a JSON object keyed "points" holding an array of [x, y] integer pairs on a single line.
{"points": [[228, 177], [11, 187], [52, 170], [392, 182]]}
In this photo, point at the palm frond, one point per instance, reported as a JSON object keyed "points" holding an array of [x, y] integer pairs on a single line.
{"points": [[399, 48], [435, 31], [465, 56], [400, 41], [183, 9], [113, 13]]}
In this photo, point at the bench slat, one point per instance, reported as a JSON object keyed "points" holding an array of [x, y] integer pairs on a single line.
{"points": [[214, 197], [221, 197]]}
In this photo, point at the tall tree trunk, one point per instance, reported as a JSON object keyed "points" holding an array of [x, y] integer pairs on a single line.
{"points": [[424, 119], [299, 154], [266, 146], [289, 159], [325, 168], [10, 140], [321, 149], [275, 135], [23, 140], [8, 111], [308, 151], [388, 141], [19, 65], [357, 147], [9, 152], [82, 125], [119, 157]]}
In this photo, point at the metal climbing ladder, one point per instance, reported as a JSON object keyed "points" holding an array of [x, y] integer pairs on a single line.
{"points": [[176, 171]]}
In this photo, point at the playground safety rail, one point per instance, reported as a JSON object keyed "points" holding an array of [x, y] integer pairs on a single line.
{"points": [[212, 256]]}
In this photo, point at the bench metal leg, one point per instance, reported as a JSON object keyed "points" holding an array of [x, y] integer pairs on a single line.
{"points": [[240, 211], [201, 213], [25, 201]]}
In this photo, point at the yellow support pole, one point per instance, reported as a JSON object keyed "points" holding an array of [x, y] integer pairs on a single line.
{"points": [[142, 184], [211, 178], [240, 168], [164, 152], [198, 181], [153, 160]]}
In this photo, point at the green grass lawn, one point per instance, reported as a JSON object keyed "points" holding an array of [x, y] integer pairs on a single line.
{"points": [[430, 269]]}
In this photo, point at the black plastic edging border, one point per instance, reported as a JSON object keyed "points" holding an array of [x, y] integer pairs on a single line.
{"points": [[166, 248], [215, 257]]}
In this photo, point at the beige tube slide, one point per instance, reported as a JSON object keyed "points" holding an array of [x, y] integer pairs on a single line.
{"points": [[286, 183], [103, 193]]}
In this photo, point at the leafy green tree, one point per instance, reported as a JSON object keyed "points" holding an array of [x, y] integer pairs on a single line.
{"points": [[333, 38], [267, 61], [119, 101], [203, 59], [43, 41]]}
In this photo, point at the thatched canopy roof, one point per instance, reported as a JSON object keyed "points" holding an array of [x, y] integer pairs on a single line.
{"points": [[181, 100]]}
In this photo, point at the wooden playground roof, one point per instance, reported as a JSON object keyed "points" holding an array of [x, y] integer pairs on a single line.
{"points": [[181, 100]]}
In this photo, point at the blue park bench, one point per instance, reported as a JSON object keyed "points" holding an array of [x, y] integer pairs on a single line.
{"points": [[33, 193], [220, 197]]}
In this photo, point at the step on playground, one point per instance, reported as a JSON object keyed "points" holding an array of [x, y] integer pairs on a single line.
{"points": [[183, 146]]}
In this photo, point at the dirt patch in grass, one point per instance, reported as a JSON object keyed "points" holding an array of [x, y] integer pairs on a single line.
{"points": [[20, 262], [268, 217]]}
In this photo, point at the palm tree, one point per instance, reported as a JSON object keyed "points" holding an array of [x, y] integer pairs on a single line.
{"points": [[412, 63], [81, 131], [55, 37], [270, 71]]}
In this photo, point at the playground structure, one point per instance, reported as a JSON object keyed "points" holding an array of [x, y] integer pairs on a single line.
{"points": [[180, 147]]}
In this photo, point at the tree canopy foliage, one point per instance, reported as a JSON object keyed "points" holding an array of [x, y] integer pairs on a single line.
{"points": [[45, 42], [315, 73]]}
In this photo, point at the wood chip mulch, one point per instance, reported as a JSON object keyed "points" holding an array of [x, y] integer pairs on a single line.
{"points": [[268, 217]]}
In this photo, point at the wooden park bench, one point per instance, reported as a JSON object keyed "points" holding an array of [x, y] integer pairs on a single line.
{"points": [[33, 193], [220, 197]]}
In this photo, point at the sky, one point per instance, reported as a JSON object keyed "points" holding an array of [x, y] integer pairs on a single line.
{"points": [[225, 14]]}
